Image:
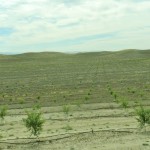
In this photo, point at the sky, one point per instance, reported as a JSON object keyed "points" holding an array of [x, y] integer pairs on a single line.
{"points": [[73, 25]]}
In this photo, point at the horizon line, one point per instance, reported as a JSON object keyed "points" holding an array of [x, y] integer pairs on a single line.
{"points": [[73, 52]]}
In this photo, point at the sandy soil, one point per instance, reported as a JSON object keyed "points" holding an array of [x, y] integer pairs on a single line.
{"points": [[92, 127]]}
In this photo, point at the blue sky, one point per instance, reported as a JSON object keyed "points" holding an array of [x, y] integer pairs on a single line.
{"points": [[5, 31], [73, 25]]}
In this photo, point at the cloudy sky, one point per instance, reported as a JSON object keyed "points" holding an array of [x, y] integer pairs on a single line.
{"points": [[73, 25]]}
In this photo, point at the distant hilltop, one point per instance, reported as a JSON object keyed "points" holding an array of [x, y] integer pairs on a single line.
{"points": [[54, 53]]}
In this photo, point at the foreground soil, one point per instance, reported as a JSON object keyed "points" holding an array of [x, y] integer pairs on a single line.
{"points": [[88, 127]]}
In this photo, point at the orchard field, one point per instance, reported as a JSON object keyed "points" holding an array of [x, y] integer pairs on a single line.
{"points": [[101, 90]]}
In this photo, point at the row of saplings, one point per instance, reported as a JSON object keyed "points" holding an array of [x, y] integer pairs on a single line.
{"points": [[34, 121]]}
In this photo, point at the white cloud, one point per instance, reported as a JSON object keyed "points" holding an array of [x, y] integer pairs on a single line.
{"points": [[44, 21]]}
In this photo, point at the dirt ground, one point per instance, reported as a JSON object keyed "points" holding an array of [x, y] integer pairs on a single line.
{"points": [[89, 127]]}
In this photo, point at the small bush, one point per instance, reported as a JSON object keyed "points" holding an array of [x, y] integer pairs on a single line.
{"points": [[66, 109], [34, 122], [89, 93], [111, 92], [133, 91], [38, 97], [10, 99], [3, 112], [86, 98], [21, 101], [143, 116], [36, 106], [115, 95], [124, 104]]}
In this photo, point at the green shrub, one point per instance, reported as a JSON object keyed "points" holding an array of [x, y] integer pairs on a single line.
{"points": [[124, 103], [89, 93], [38, 97], [111, 92], [21, 101], [3, 112], [133, 91], [37, 106], [10, 99], [143, 116], [115, 95], [66, 109], [34, 122], [86, 98]]}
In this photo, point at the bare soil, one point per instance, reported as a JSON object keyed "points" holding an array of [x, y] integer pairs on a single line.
{"points": [[89, 127]]}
